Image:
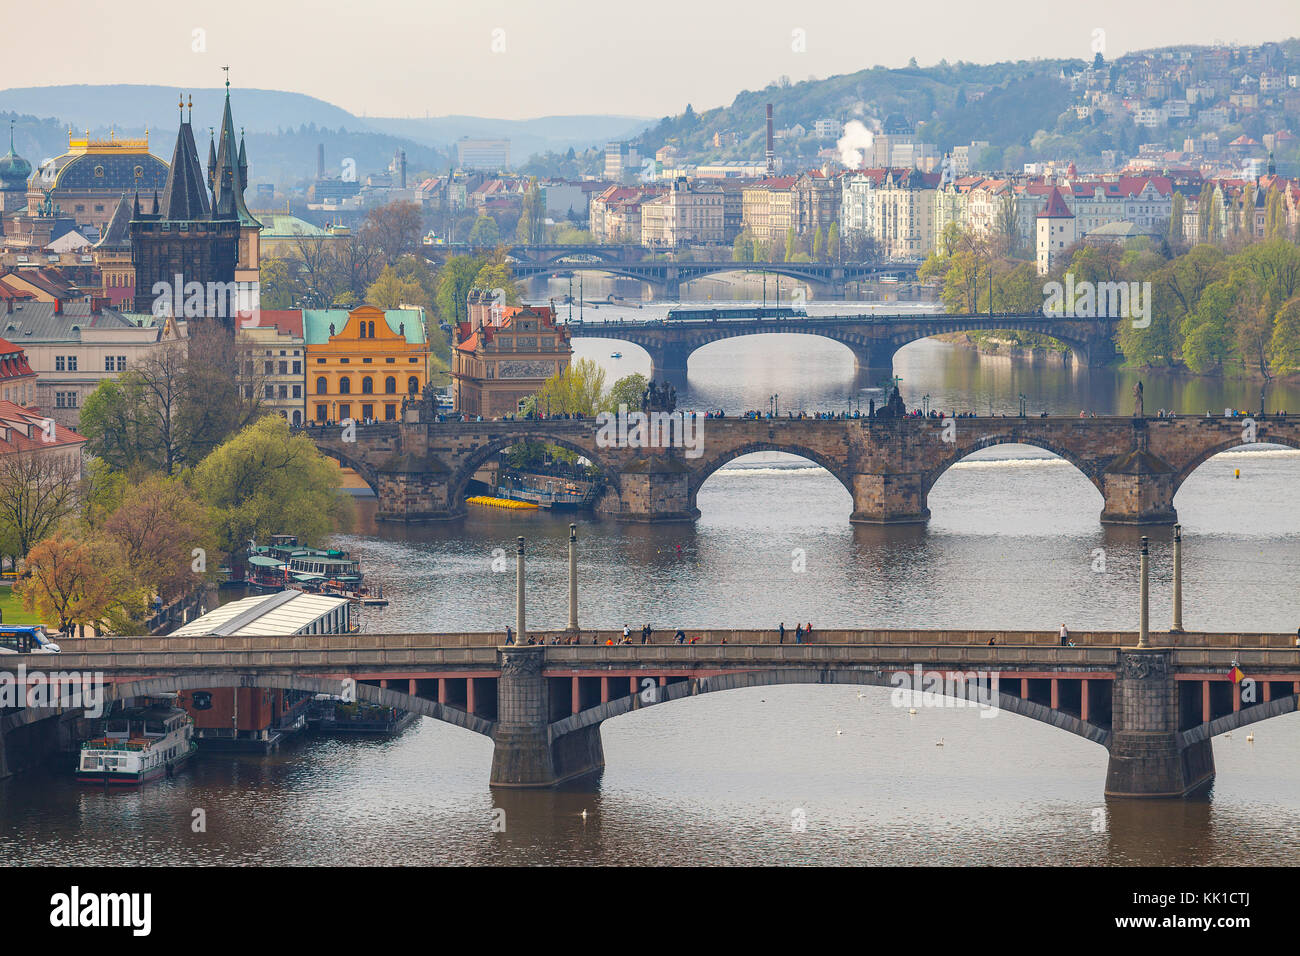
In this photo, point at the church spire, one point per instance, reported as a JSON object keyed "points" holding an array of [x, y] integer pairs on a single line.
{"points": [[231, 170]]}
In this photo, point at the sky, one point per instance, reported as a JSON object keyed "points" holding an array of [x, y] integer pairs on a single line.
{"points": [[516, 59]]}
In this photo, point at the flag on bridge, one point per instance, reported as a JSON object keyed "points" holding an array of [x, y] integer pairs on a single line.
{"points": [[1236, 674]]}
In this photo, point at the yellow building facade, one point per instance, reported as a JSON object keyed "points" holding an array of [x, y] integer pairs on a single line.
{"points": [[362, 364]]}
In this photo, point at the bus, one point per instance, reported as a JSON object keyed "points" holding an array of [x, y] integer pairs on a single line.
{"points": [[19, 639]]}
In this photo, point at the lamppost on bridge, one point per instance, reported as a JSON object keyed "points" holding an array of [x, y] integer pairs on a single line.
{"points": [[573, 579], [1024, 401], [1177, 626], [521, 630], [925, 404], [1144, 600]]}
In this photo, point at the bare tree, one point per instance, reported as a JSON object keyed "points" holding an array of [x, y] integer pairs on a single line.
{"points": [[38, 489]]}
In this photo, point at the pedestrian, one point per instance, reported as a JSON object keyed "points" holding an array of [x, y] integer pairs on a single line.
{"points": [[781, 630], [807, 633], [1065, 635], [510, 635], [626, 634], [993, 641], [681, 636], [798, 633]]}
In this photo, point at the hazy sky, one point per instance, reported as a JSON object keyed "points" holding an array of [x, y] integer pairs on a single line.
{"points": [[523, 58]]}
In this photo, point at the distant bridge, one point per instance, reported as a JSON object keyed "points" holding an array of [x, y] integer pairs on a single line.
{"points": [[420, 470], [828, 279], [1155, 709], [872, 338]]}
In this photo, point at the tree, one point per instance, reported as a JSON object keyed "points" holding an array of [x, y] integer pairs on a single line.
{"points": [[496, 274], [38, 490], [393, 230], [1176, 213], [266, 481], [532, 217], [132, 421], [77, 582], [742, 250], [818, 245], [390, 290], [833, 242], [485, 231], [577, 390], [157, 527], [1207, 339], [1285, 347], [455, 280], [791, 243], [221, 391], [626, 391]]}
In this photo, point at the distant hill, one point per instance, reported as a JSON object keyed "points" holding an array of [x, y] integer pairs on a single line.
{"points": [[284, 129]]}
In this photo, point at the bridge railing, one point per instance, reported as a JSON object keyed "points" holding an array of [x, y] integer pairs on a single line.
{"points": [[705, 636]]}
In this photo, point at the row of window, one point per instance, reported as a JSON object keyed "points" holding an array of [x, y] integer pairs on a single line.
{"points": [[65, 399], [114, 363], [367, 385], [65, 363], [345, 411], [366, 361], [269, 368]]}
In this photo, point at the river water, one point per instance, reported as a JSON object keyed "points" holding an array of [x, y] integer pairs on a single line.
{"points": [[781, 774]]}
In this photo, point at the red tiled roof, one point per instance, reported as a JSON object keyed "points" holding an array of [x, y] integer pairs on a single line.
{"points": [[25, 430], [286, 320], [13, 361], [1055, 208]]}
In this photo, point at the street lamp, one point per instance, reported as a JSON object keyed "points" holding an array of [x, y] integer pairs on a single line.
{"points": [[925, 404], [1024, 400]]}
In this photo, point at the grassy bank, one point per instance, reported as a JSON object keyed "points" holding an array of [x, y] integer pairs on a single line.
{"points": [[13, 608]]}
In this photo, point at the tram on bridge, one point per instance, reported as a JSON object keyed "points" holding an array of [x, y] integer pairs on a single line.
{"points": [[738, 312]]}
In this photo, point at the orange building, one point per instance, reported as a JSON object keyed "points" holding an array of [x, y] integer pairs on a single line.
{"points": [[362, 364]]}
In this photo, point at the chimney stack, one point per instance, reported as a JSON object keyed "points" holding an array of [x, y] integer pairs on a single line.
{"points": [[403, 169], [320, 161], [771, 153]]}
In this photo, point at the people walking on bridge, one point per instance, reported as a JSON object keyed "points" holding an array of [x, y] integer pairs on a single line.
{"points": [[510, 635], [627, 633], [798, 633], [807, 632], [1065, 635], [781, 631], [680, 638]]}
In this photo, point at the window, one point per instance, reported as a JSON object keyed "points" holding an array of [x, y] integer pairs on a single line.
{"points": [[372, 330], [268, 391], [345, 386], [297, 368], [297, 391], [108, 363], [320, 361], [320, 413], [390, 361], [248, 369], [413, 360], [121, 363], [345, 411], [284, 391], [412, 384], [59, 364], [390, 386], [390, 413], [367, 385], [267, 367], [322, 386], [367, 411], [248, 391]]}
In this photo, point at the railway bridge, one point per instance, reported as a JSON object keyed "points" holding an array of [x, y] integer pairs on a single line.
{"points": [[1154, 709], [419, 469], [873, 339]]}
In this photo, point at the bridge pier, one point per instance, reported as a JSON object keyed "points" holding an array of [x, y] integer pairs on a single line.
{"points": [[524, 753], [1138, 488], [872, 355], [1148, 757], [889, 499], [668, 361], [652, 489]]}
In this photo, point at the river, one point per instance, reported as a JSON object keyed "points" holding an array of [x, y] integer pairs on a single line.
{"points": [[799, 774]]}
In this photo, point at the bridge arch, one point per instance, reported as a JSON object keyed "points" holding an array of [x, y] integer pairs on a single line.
{"points": [[869, 677], [1201, 457], [701, 472], [456, 485], [364, 470], [369, 693], [1089, 470]]}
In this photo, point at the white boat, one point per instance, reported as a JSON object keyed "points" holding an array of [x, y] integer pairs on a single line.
{"points": [[138, 745], [615, 354]]}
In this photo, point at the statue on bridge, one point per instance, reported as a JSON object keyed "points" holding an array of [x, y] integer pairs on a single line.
{"points": [[659, 398], [1137, 400], [893, 407]]}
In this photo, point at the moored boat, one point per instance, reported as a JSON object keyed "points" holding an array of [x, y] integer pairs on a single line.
{"points": [[137, 745]]}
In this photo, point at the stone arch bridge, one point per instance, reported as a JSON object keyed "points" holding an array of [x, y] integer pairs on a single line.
{"points": [[1155, 710], [419, 471], [873, 339]]}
